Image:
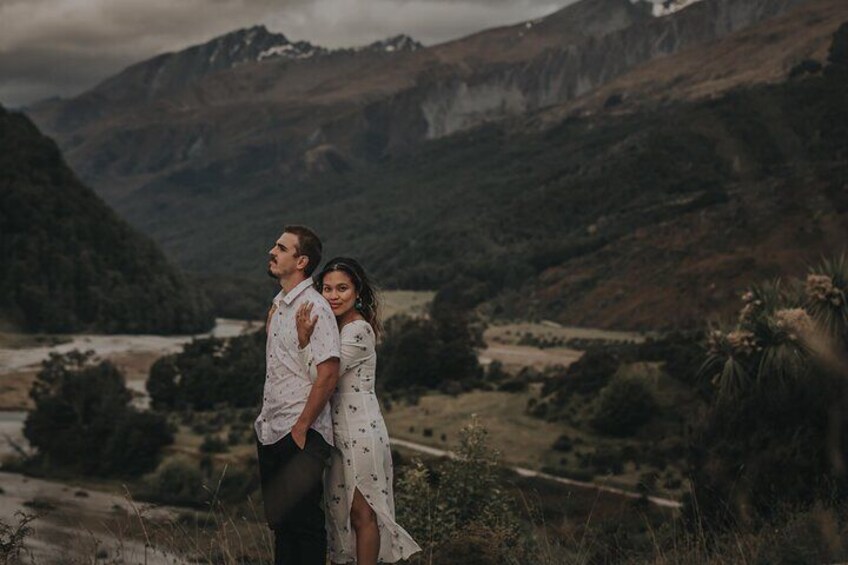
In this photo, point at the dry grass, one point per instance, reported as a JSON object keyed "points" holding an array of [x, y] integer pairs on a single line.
{"points": [[14, 390], [410, 302], [522, 439], [511, 333], [526, 441], [17, 340]]}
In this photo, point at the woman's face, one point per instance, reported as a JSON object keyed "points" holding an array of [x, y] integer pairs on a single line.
{"points": [[337, 287]]}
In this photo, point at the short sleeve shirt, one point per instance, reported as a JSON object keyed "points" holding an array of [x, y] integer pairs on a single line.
{"points": [[288, 381]]}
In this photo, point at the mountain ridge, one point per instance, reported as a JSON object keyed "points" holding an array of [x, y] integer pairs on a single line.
{"points": [[322, 145], [68, 262], [363, 106]]}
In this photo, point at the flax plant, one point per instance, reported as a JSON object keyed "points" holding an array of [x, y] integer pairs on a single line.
{"points": [[768, 349], [826, 287], [779, 426]]}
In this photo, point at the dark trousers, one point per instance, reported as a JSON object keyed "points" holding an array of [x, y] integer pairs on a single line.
{"points": [[293, 496]]}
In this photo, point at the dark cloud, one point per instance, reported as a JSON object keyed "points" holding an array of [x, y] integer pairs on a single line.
{"points": [[61, 47]]}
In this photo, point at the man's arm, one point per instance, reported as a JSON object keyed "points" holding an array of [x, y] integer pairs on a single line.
{"points": [[322, 390]]}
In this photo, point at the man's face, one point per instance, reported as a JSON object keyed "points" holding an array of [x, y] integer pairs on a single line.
{"points": [[282, 258]]}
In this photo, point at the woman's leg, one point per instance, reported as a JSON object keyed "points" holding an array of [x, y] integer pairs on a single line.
{"points": [[364, 522]]}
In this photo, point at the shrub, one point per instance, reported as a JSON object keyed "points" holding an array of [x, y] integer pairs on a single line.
{"points": [[587, 375], [624, 406], [134, 446], [235, 483], [513, 385], [176, 481], [495, 372], [13, 538], [234, 437], [462, 499], [213, 444], [563, 443], [607, 461]]}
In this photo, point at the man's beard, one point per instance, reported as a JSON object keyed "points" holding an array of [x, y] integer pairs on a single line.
{"points": [[272, 275]]}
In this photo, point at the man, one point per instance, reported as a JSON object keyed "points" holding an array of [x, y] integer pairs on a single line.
{"points": [[294, 431]]}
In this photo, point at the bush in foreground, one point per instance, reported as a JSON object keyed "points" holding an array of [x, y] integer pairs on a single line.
{"points": [[464, 499], [778, 429]]}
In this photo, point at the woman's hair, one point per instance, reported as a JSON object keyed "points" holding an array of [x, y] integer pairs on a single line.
{"points": [[367, 292]]}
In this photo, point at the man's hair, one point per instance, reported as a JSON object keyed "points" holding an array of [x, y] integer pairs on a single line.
{"points": [[308, 244]]}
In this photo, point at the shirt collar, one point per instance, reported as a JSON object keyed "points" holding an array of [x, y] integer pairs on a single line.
{"points": [[288, 297]]}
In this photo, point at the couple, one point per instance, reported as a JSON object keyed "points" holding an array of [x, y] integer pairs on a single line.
{"points": [[321, 439]]}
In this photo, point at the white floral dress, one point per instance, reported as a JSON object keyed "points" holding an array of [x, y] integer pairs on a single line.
{"points": [[362, 457]]}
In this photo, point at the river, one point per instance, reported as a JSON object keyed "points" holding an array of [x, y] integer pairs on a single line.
{"points": [[77, 524]]}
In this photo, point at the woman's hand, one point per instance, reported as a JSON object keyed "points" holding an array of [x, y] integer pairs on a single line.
{"points": [[305, 324]]}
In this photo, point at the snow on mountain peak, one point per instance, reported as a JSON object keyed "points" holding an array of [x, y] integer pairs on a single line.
{"points": [[666, 7], [394, 44], [258, 44]]}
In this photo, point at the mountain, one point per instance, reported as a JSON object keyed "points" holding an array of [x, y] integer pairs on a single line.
{"points": [[295, 117], [68, 262], [170, 72], [766, 52], [487, 166]]}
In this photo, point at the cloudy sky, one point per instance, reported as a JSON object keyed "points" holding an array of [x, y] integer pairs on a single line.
{"points": [[62, 47]]}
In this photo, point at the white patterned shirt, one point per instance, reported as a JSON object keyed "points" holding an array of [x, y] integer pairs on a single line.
{"points": [[288, 381]]}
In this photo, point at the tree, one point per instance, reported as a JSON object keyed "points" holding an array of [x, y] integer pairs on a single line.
{"points": [[409, 354], [837, 55], [427, 352], [208, 372], [82, 419], [625, 405], [67, 262]]}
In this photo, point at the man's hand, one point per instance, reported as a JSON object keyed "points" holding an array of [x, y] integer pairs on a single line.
{"points": [[305, 324], [298, 434], [322, 390], [268, 319]]}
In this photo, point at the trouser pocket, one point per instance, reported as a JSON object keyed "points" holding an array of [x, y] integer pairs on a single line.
{"points": [[292, 479]]}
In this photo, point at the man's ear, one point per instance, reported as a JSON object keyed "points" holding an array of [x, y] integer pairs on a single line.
{"points": [[302, 262]]}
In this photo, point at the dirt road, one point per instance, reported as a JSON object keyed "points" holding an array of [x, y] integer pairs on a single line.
{"points": [[435, 452]]}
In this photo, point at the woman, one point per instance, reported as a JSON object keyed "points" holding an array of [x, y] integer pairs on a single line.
{"points": [[358, 486]]}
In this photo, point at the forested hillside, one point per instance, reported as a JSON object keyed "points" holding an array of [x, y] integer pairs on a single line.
{"points": [[67, 262], [644, 220]]}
